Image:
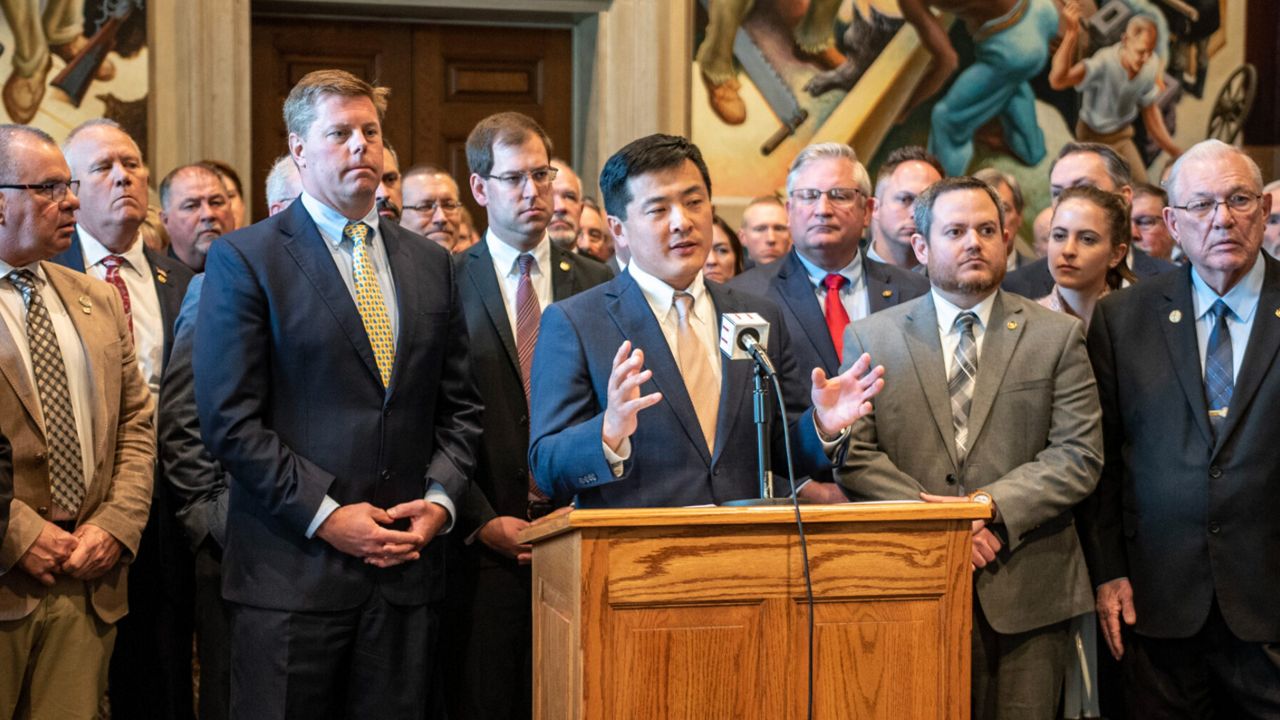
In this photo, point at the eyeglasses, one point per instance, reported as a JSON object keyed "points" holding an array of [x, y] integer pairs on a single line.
{"points": [[55, 191], [839, 196], [429, 206], [1241, 202], [541, 177], [1147, 222]]}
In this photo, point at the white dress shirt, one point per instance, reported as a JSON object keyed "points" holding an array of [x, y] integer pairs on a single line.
{"points": [[1243, 301], [144, 302], [330, 222], [74, 356], [506, 265], [950, 335], [853, 294]]}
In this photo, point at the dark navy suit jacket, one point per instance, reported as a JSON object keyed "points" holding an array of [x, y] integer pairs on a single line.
{"points": [[669, 463], [292, 405]]}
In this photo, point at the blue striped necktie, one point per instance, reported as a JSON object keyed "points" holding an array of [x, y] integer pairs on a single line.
{"points": [[1219, 368]]}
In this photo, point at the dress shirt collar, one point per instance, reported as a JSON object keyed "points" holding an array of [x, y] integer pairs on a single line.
{"points": [[505, 256], [94, 251], [331, 222], [35, 267], [661, 295], [1242, 299], [947, 311], [817, 276]]}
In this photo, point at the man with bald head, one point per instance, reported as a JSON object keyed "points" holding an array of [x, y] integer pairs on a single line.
{"points": [[566, 206], [195, 210], [1182, 545], [431, 205], [151, 670]]}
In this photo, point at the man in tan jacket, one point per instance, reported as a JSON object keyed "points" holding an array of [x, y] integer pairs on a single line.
{"points": [[78, 416]]}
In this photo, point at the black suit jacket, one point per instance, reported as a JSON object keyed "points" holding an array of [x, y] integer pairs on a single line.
{"points": [[170, 277], [1187, 517], [1034, 281], [501, 480], [291, 403]]}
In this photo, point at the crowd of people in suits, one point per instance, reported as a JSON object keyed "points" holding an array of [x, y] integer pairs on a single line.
{"points": [[312, 443]]}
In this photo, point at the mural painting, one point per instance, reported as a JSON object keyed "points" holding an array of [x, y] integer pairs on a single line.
{"points": [[1001, 83], [68, 61]]}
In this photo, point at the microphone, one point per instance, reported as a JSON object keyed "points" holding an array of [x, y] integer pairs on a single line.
{"points": [[744, 336]]}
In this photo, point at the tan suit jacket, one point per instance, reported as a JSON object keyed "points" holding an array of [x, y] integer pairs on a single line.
{"points": [[119, 495], [1035, 440]]}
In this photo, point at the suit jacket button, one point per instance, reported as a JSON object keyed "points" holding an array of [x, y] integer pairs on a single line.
{"points": [[40, 456], [951, 479], [386, 475], [42, 510], [1215, 472], [524, 420], [1214, 529]]}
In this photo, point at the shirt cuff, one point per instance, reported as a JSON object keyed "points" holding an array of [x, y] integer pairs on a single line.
{"points": [[437, 495], [326, 509], [616, 459], [830, 443]]}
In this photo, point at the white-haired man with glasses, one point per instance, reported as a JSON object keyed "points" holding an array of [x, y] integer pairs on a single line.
{"points": [[824, 282], [1183, 543]]}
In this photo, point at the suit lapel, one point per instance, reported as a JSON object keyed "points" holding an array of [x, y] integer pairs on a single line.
{"points": [[307, 248], [170, 300], [880, 288], [734, 374], [480, 271], [400, 261], [96, 333], [12, 368], [1260, 353], [1184, 352], [796, 290], [631, 312], [999, 341], [564, 281], [925, 346]]}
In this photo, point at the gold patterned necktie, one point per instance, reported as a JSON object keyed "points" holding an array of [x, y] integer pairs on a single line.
{"points": [[369, 301], [695, 367], [66, 465]]}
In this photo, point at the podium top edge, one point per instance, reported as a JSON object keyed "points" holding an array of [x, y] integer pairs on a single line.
{"points": [[567, 519]]}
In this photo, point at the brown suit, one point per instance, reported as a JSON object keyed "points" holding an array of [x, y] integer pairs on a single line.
{"points": [[119, 495]]}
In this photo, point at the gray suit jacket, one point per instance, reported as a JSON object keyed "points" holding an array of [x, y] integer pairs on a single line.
{"points": [[1035, 444]]}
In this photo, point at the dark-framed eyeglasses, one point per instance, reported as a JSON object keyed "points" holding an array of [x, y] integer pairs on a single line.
{"points": [[1241, 202], [55, 191], [839, 196], [541, 177], [429, 206]]}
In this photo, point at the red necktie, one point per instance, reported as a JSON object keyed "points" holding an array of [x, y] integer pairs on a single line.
{"points": [[528, 319], [837, 317], [113, 263]]}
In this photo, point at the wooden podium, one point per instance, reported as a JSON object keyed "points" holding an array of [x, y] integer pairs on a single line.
{"points": [[701, 613]]}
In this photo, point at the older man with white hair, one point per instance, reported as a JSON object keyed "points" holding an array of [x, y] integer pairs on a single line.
{"points": [[1183, 542]]}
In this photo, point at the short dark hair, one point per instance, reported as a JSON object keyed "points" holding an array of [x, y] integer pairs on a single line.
{"points": [[739, 254], [1143, 188], [167, 183], [226, 171], [1117, 167], [504, 128], [645, 155], [8, 133], [923, 211], [906, 154], [1116, 211]]}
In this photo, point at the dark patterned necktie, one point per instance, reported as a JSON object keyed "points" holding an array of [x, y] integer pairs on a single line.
{"points": [[113, 263], [66, 466], [528, 319], [1219, 369], [960, 385]]}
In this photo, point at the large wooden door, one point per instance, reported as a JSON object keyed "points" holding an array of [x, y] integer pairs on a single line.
{"points": [[443, 79]]}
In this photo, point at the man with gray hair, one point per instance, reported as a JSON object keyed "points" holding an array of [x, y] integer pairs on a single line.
{"points": [[195, 211], [1009, 190], [823, 283], [151, 668], [1271, 237], [1183, 543], [432, 207], [283, 184]]}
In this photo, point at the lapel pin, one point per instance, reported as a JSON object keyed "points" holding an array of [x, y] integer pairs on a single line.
{"points": [[1012, 324], [162, 276], [564, 265], [1176, 316], [1277, 312], [85, 305], [889, 293]]}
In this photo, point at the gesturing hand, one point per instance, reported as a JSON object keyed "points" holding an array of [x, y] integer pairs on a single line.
{"points": [[840, 401], [1115, 602], [624, 399]]}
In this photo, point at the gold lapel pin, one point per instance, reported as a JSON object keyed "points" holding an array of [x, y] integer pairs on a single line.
{"points": [[162, 276], [889, 293], [1277, 312], [1012, 325], [564, 265], [85, 305], [1176, 316]]}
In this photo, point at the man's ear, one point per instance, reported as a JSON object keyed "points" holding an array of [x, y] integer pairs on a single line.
{"points": [[619, 231], [478, 190], [921, 247]]}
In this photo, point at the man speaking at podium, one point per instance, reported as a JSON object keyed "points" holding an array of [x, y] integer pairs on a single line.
{"points": [[632, 403]]}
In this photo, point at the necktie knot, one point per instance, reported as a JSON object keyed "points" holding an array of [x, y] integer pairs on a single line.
{"points": [[356, 232], [25, 281], [965, 321], [1219, 312], [683, 303], [834, 281], [527, 263], [113, 262]]}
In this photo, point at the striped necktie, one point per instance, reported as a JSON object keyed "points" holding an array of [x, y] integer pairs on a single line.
{"points": [[960, 386], [1219, 369], [369, 301]]}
